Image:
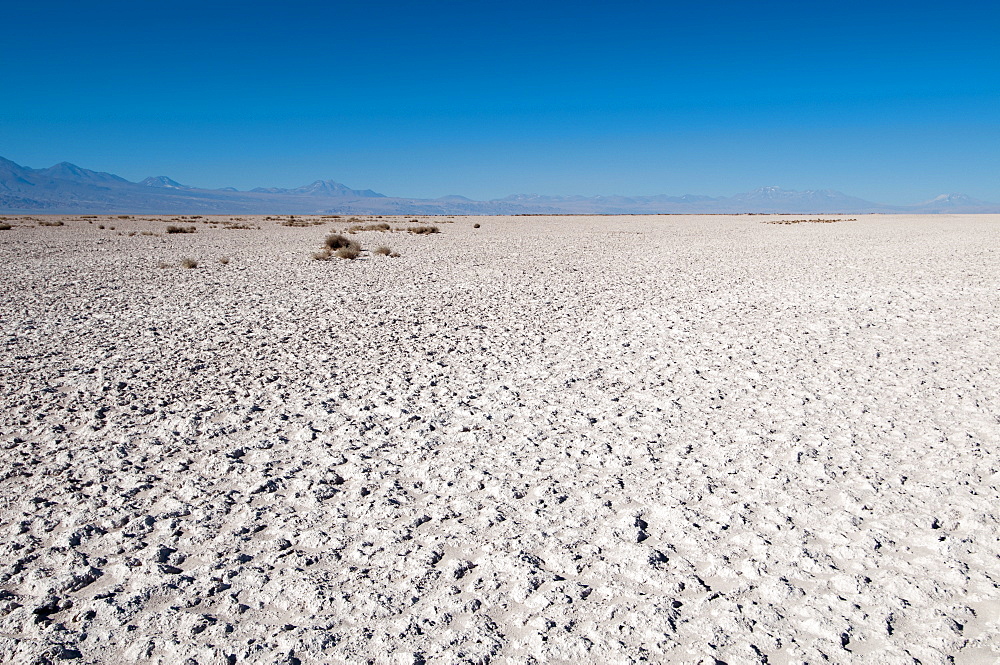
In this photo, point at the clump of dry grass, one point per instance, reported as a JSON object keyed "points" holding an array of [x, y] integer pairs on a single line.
{"points": [[338, 241], [423, 230], [224, 260], [381, 226], [163, 265], [325, 254], [189, 263], [181, 229], [382, 251], [52, 223], [337, 245], [349, 253]]}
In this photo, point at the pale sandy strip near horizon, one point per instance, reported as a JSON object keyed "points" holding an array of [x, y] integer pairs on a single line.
{"points": [[548, 440]]}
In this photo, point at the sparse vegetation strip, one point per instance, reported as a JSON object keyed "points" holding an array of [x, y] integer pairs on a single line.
{"points": [[808, 221]]}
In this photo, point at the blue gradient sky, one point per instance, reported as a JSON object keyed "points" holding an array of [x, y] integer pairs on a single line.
{"points": [[894, 102]]}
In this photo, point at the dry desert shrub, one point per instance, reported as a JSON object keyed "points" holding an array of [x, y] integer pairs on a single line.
{"points": [[189, 263], [423, 230], [162, 264], [322, 255], [5, 227], [52, 223], [382, 251], [476, 226], [224, 260], [181, 229]]}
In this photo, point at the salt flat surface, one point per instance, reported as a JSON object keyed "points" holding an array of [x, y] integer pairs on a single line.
{"points": [[548, 440]]}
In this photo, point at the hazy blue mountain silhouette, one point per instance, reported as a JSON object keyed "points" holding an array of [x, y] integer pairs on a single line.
{"points": [[67, 188]]}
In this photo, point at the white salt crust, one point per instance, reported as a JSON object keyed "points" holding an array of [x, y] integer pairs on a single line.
{"points": [[547, 440]]}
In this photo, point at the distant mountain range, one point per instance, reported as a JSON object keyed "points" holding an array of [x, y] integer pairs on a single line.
{"points": [[69, 189]]}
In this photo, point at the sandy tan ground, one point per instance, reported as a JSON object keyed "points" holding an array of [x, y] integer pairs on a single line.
{"points": [[547, 440]]}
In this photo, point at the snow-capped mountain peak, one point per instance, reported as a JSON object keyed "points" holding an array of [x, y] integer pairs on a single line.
{"points": [[163, 181]]}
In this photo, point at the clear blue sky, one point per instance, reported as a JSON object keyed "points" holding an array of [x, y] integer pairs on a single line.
{"points": [[891, 101]]}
